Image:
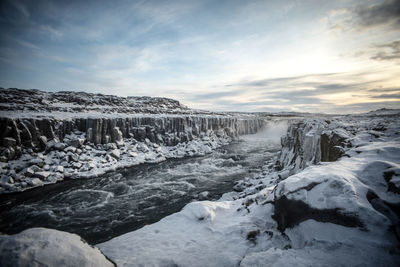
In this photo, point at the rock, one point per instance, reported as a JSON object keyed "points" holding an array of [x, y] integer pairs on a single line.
{"points": [[42, 175], [132, 154], [42, 142], [203, 195], [119, 143], [70, 149], [59, 169], [9, 142], [36, 168], [111, 146], [115, 153], [59, 146], [77, 165], [37, 162], [72, 157], [91, 165], [29, 172], [12, 173], [59, 176], [78, 142], [18, 151], [116, 135], [142, 148], [43, 247], [50, 145], [35, 182], [9, 187], [332, 146], [88, 166], [9, 153], [46, 167]]}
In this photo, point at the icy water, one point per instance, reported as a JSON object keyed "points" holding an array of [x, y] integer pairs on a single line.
{"points": [[101, 208]]}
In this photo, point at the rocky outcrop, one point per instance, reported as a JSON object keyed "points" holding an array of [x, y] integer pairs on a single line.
{"points": [[309, 142], [301, 145]]}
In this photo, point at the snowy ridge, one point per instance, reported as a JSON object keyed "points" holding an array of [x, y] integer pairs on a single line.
{"points": [[342, 213], [19, 100]]}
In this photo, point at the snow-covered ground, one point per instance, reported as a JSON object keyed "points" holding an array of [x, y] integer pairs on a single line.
{"points": [[342, 213]]}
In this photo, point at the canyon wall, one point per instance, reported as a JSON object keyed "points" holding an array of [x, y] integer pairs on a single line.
{"points": [[165, 129]]}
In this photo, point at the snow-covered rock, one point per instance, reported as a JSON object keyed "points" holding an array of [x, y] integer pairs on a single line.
{"points": [[47, 247]]}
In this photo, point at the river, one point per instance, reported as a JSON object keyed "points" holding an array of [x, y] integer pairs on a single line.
{"points": [[99, 209]]}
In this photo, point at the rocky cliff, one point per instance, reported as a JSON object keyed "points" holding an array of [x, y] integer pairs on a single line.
{"points": [[309, 142], [45, 137]]}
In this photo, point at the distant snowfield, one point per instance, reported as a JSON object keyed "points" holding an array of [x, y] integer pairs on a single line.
{"points": [[339, 213]]}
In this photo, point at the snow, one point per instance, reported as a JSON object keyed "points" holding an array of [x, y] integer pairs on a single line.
{"points": [[347, 218], [47, 247]]}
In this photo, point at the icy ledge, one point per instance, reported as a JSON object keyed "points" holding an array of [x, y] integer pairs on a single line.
{"points": [[342, 213]]}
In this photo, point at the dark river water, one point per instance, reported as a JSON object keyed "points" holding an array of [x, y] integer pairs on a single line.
{"points": [[99, 209]]}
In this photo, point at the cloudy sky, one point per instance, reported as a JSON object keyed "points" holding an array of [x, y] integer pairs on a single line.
{"points": [[235, 55]]}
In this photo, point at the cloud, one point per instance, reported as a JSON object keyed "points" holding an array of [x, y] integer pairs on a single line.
{"points": [[390, 51], [387, 96], [387, 13], [381, 90], [331, 92]]}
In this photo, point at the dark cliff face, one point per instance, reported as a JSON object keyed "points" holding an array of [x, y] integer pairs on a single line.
{"points": [[309, 142], [160, 129]]}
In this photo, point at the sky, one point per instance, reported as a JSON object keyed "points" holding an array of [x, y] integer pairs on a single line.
{"points": [[256, 56]]}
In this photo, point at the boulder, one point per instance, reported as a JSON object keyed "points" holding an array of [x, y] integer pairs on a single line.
{"points": [[115, 153], [9, 153], [59, 146], [78, 142], [37, 162], [47, 247], [132, 154], [59, 169], [35, 182], [42, 175]]}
